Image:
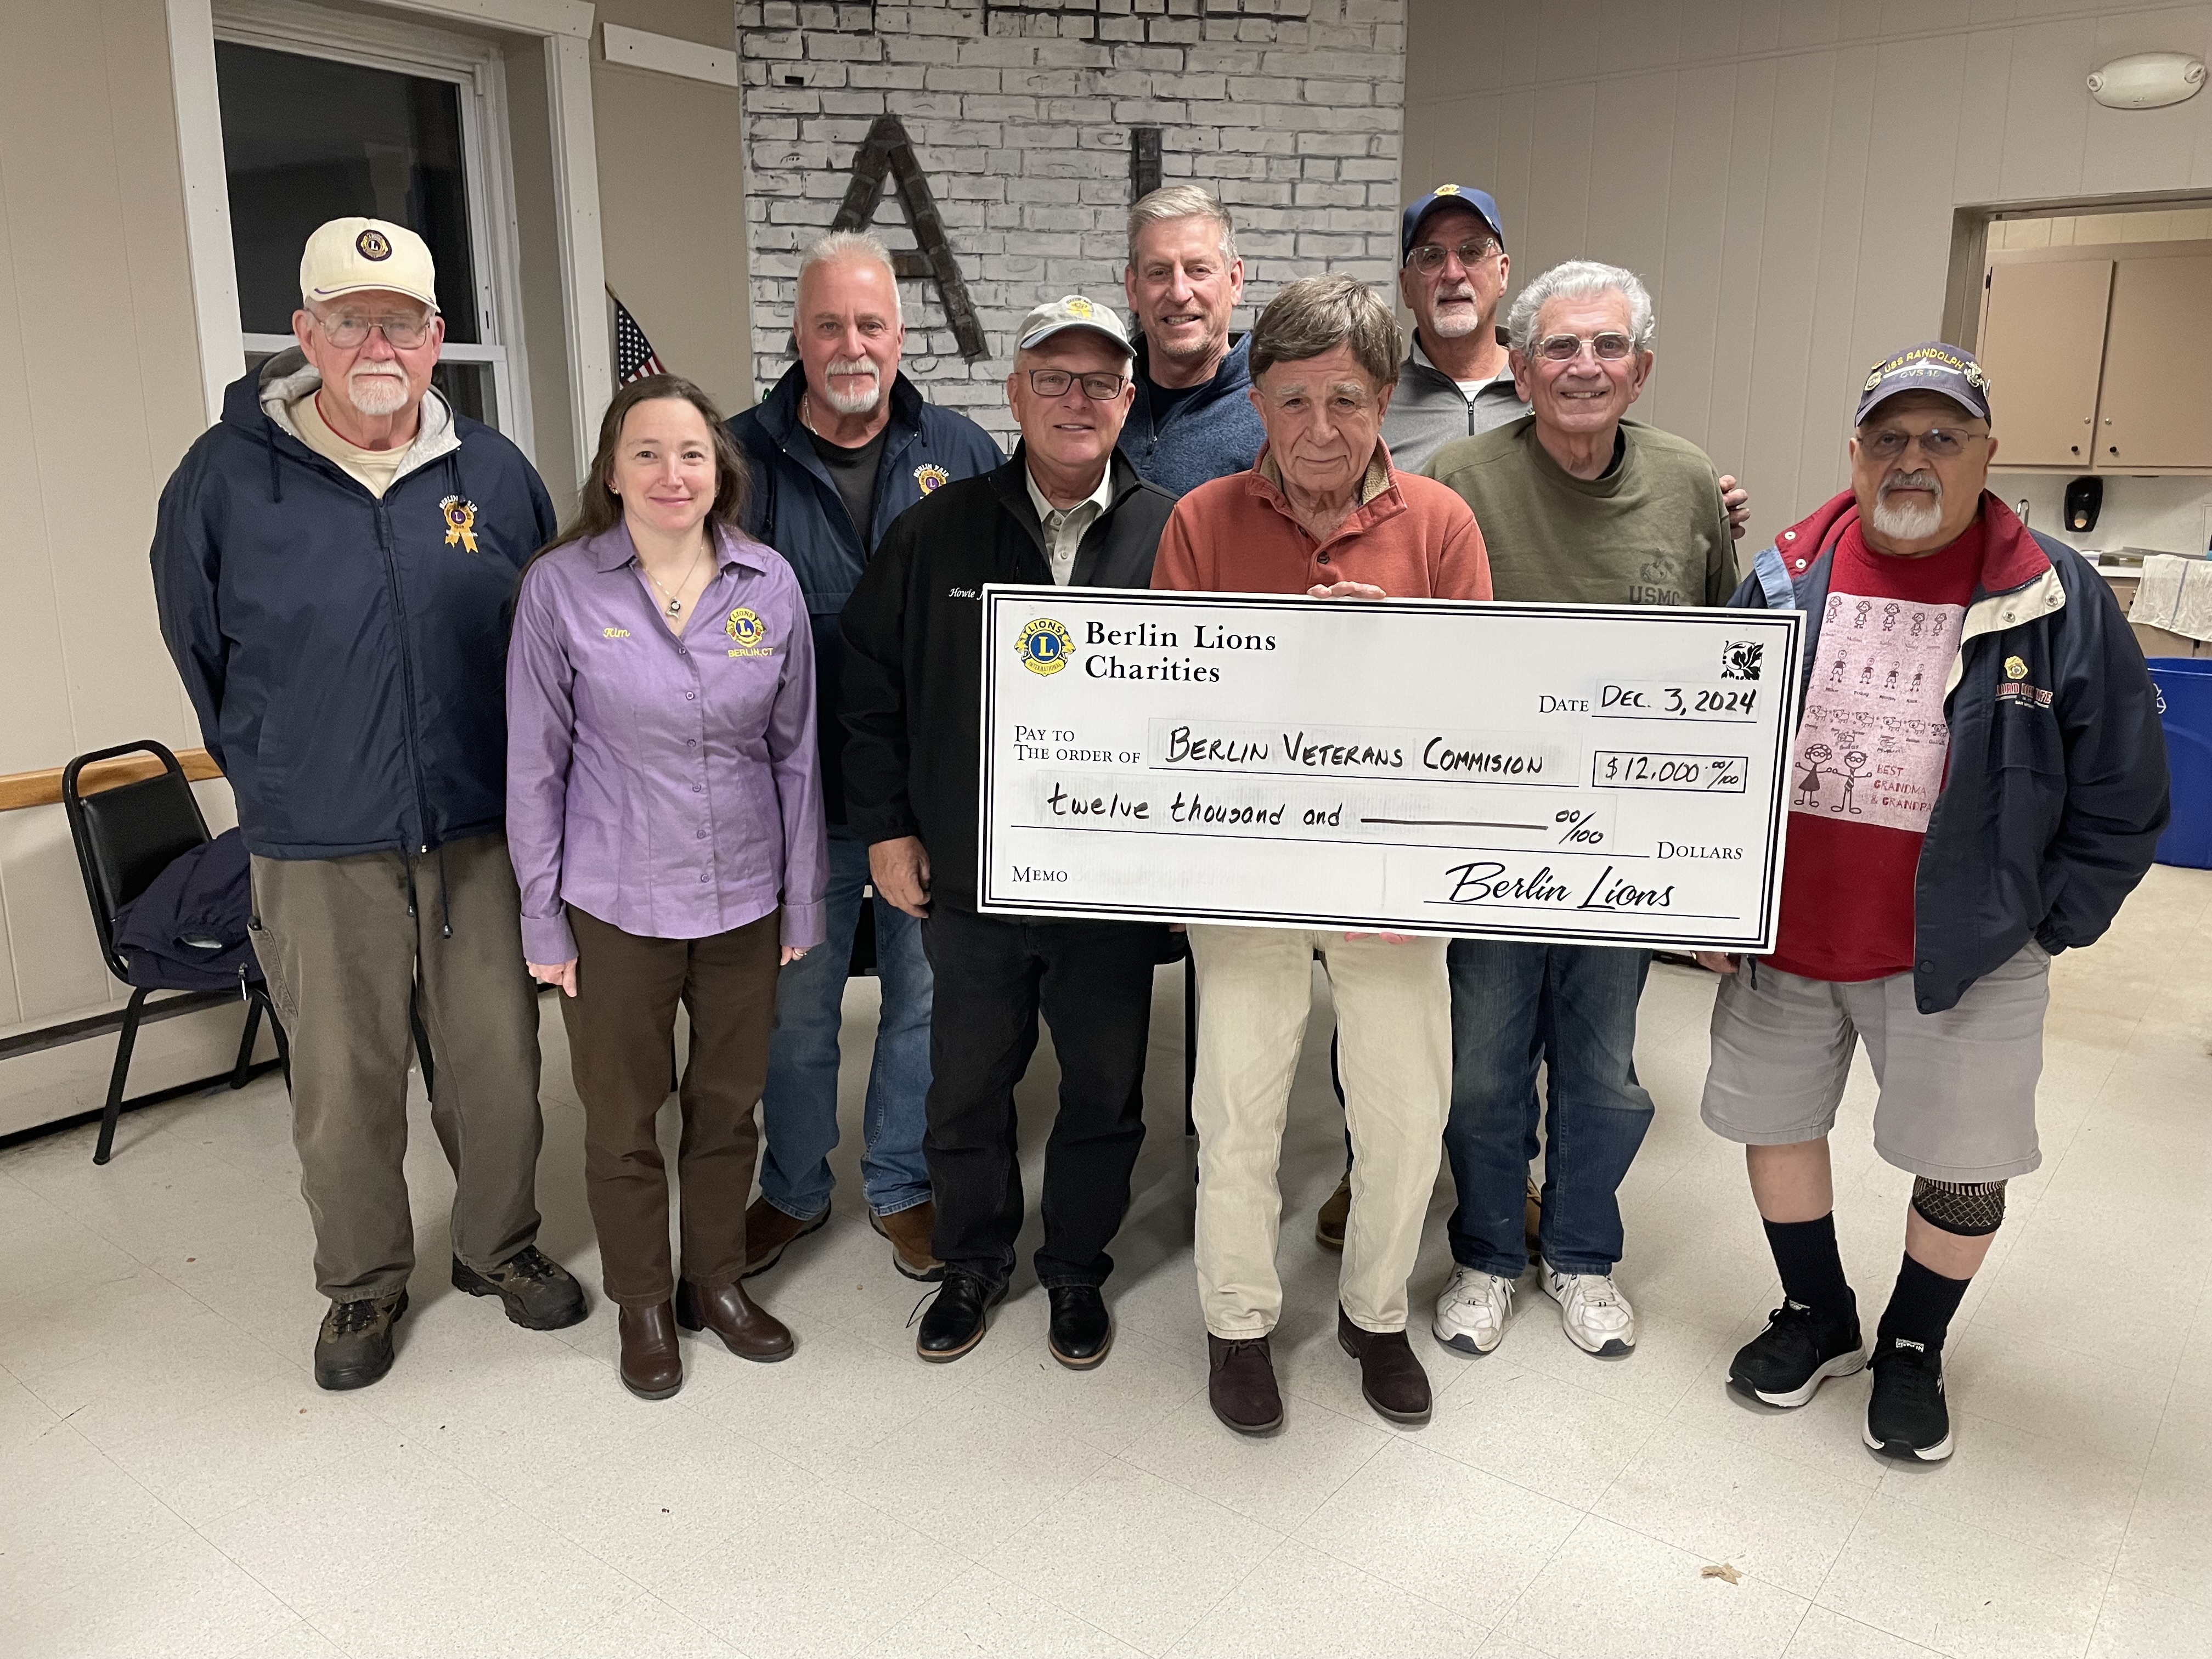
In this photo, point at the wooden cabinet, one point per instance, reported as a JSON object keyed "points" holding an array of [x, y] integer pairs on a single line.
{"points": [[2043, 343], [2101, 358], [2156, 410]]}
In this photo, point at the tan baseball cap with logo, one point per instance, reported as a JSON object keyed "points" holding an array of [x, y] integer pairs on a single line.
{"points": [[351, 256]]}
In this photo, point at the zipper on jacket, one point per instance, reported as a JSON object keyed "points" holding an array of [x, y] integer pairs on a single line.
{"points": [[406, 673]]}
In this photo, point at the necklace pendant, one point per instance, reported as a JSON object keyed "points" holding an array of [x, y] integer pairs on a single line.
{"points": [[675, 607]]}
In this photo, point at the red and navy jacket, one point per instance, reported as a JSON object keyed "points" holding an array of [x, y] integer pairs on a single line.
{"points": [[2054, 789]]}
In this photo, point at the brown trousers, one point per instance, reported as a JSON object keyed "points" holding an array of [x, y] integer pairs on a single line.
{"points": [[621, 1030], [346, 944]]}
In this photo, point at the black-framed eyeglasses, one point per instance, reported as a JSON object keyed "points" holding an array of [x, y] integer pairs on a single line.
{"points": [[1054, 383], [347, 330], [1941, 443], [1428, 258], [1609, 347]]}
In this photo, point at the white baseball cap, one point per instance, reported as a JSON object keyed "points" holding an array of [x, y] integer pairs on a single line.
{"points": [[349, 256], [1073, 311]]}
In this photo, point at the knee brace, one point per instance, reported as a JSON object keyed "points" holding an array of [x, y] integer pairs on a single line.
{"points": [[1971, 1209]]}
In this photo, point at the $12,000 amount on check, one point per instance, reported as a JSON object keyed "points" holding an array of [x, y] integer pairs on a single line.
{"points": [[1594, 774]]}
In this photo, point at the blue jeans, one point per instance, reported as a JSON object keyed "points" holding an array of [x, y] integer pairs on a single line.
{"points": [[1573, 1007], [799, 1110]]}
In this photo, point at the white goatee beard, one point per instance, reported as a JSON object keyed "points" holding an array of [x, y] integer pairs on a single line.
{"points": [[1908, 524], [853, 403], [376, 393]]}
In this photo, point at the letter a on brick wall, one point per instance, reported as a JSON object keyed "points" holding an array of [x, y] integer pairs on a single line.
{"points": [[888, 150]]}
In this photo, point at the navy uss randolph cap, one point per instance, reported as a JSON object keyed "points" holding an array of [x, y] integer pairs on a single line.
{"points": [[1448, 196], [1931, 366]]}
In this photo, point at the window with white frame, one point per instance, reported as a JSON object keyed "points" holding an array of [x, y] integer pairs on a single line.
{"points": [[326, 113]]}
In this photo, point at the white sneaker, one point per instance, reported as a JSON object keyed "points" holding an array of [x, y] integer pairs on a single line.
{"points": [[1472, 1312], [1593, 1312]]}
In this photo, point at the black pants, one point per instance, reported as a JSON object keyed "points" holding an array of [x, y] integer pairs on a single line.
{"points": [[1093, 982]]}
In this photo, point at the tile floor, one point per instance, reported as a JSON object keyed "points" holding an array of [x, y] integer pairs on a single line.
{"points": [[173, 1486]]}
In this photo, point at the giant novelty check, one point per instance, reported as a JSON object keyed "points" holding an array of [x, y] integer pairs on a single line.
{"points": [[1590, 774]]}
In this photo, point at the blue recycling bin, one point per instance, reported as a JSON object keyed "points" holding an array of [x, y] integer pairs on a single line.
{"points": [[2185, 708]]}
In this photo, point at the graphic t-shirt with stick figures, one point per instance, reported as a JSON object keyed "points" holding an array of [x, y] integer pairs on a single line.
{"points": [[1870, 756]]}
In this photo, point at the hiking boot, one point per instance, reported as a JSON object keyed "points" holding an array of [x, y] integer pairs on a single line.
{"points": [[353, 1349], [1328, 1225], [539, 1293], [769, 1232], [908, 1230]]}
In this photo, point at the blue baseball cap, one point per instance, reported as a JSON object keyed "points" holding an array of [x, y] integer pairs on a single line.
{"points": [[1934, 366], [1448, 196]]}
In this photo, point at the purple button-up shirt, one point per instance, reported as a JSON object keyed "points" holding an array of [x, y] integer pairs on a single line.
{"points": [[665, 784]]}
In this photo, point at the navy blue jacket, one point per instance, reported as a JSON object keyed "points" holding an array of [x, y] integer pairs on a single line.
{"points": [[1210, 433], [345, 655], [186, 932], [2055, 791], [795, 508]]}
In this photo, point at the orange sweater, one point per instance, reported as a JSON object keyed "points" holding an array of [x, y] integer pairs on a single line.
{"points": [[1410, 536]]}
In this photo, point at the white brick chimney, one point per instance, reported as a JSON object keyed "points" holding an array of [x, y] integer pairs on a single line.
{"points": [[1291, 111]]}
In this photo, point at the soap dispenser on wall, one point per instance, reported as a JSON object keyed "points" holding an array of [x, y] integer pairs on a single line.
{"points": [[2085, 497]]}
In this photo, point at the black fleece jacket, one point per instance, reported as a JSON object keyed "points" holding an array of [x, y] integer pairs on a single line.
{"points": [[914, 649]]}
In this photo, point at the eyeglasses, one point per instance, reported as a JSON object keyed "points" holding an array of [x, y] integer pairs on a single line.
{"points": [[1608, 347], [346, 329], [1939, 443], [1428, 258], [1055, 382]]}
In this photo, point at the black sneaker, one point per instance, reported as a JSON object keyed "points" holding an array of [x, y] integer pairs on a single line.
{"points": [[1785, 1363], [539, 1293], [1907, 1417], [353, 1349]]}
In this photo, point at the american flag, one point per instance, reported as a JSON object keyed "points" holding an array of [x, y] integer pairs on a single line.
{"points": [[634, 358]]}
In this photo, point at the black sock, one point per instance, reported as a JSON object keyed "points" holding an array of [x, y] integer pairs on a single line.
{"points": [[1920, 1309], [1812, 1269]]}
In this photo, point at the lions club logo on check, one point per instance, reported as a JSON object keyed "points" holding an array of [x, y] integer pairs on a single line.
{"points": [[931, 477], [749, 632], [1043, 645]]}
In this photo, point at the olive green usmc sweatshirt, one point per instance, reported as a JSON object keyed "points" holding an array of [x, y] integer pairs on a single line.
{"points": [[1651, 530]]}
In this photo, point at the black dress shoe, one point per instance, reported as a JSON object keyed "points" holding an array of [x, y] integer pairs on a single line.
{"points": [[955, 1322], [1082, 1330]]}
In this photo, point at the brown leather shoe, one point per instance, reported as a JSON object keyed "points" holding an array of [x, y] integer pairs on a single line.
{"points": [[909, 1231], [652, 1367], [769, 1232], [1390, 1377], [1328, 1225], [1240, 1384], [747, 1329]]}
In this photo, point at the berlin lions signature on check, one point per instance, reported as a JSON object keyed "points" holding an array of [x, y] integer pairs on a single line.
{"points": [[1600, 774]]}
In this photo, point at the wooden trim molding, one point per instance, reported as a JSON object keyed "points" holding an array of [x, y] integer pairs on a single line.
{"points": [[44, 789]]}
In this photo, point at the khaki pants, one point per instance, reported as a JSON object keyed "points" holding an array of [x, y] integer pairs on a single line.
{"points": [[1394, 1016], [344, 958], [622, 1034]]}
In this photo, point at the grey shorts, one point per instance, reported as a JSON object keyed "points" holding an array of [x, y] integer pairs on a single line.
{"points": [[1958, 1088]]}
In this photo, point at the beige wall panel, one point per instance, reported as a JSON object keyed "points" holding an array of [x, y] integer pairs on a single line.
{"points": [[1692, 335], [672, 214], [1516, 142], [1832, 366], [1518, 30], [1629, 172], [1809, 23], [58, 973], [2047, 113], [1758, 24], [1560, 160], [1567, 45], [1742, 271], [1461, 51], [32, 685], [2137, 150], [1708, 30], [1640, 34], [1898, 16], [539, 244], [1782, 319], [1978, 169]]}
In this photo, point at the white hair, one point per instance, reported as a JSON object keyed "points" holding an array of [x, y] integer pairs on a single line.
{"points": [[1580, 279], [840, 245]]}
